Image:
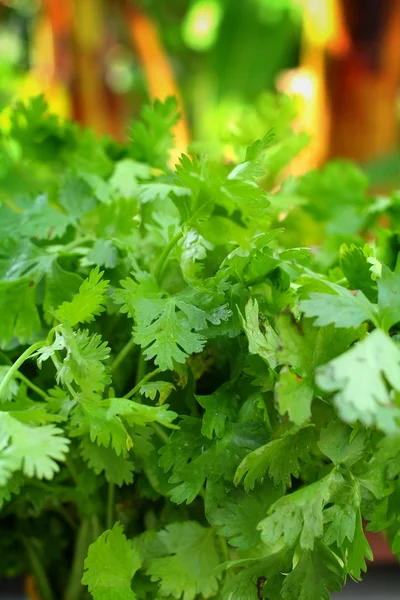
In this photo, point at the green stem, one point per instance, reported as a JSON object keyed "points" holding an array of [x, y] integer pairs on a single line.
{"points": [[71, 468], [160, 433], [144, 379], [38, 571], [14, 368], [110, 505], [141, 368], [224, 548], [60, 510], [74, 588], [164, 255], [78, 242], [122, 354], [31, 385]]}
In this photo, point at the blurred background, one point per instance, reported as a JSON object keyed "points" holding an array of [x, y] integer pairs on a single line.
{"points": [[338, 61]]}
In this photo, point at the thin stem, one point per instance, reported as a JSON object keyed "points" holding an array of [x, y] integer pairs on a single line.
{"points": [[60, 510], [77, 242], [110, 505], [224, 548], [74, 588], [142, 382], [14, 368], [38, 571], [31, 385], [164, 255], [160, 433], [141, 368], [122, 354], [71, 468]]}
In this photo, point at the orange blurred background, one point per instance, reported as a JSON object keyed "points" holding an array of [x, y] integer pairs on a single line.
{"points": [[96, 61]]}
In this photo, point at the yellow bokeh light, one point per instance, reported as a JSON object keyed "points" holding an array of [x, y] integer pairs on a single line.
{"points": [[200, 27]]}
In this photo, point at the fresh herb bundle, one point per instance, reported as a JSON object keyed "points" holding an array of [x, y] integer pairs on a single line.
{"points": [[192, 403]]}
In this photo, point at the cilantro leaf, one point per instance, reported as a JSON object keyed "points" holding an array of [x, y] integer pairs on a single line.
{"points": [[298, 517], [168, 329], [87, 304], [239, 513], [151, 137], [34, 450], [340, 308], [117, 469], [279, 459], [339, 444], [354, 262], [190, 559], [219, 407], [359, 379], [40, 220], [317, 573], [294, 396], [161, 388], [388, 297], [18, 307], [110, 566], [12, 387], [75, 196], [262, 342], [201, 459], [103, 254], [256, 574], [167, 338]]}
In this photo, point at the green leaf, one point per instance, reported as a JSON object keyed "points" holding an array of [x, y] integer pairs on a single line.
{"points": [[294, 396], [239, 514], [359, 379], [110, 566], [126, 175], [83, 362], [88, 303], [105, 429], [161, 388], [299, 517], [345, 529], [280, 459], [191, 556], [40, 220], [194, 249], [304, 347], [103, 254], [34, 450], [342, 309], [194, 459], [150, 192], [152, 137], [219, 407], [20, 317], [168, 338], [338, 443], [166, 328], [317, 573], [140, 414], [255, 575], [389, 297], [61, 286], [75, 196], [262, 338], [117, 469], [354, 262], [11, 389]]}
